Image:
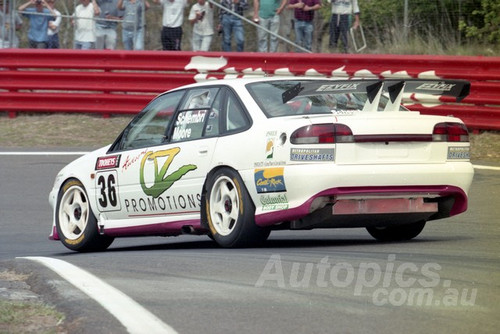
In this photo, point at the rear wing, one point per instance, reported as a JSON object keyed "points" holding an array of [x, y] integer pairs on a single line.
{"points": [[375, 88]]}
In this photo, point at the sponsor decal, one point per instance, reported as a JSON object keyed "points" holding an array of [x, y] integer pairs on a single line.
{"points": [[162, 181], [274, 202], [437, 86], [337, 87], [311, 154], [270, 135], [129, 161], [162, 204], [112, 161], [342, 112], [458, 153], [270, 163], [270, 180]]}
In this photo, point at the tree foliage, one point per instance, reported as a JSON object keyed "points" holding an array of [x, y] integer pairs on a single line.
{"points": [[484, 22]]}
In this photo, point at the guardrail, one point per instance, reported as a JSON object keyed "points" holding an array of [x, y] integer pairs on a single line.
{"points": [[123, 82]]}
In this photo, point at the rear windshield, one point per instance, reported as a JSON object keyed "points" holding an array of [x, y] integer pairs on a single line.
{"points": [[269, 96]]}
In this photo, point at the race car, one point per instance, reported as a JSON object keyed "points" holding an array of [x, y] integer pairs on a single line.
{"points": [[235, 159]]}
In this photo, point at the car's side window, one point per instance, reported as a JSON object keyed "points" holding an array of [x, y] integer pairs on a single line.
{"points": [[150, 126], [235, 115], [198, 115]]}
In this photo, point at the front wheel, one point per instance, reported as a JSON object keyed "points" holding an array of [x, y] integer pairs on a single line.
{"points": [[75, 222], [230, 211], [396, 233]]}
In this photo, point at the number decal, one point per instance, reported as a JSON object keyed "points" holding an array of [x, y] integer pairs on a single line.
{"points": [[103, 202], [107, 191]]}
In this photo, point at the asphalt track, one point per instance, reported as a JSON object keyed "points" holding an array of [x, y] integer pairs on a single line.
{"points": [[320, 281]]}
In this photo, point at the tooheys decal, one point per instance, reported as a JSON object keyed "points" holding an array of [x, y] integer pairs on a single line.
{"points": [[112, 161], [162, 182]]}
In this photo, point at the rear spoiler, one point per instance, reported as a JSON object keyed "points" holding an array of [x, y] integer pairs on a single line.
{"points": [[375, 88]]}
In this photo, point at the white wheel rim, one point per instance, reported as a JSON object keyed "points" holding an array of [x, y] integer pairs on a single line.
{"points": [[73, 213], [224, 205]]}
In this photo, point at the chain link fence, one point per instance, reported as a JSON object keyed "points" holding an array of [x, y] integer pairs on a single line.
{"points": [[11, 17]]}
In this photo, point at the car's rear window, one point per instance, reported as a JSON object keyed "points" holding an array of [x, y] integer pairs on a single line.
{"points": [[269, 96]]}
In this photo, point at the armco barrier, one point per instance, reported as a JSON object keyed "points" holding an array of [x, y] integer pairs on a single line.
{"points": [[123, 82]]}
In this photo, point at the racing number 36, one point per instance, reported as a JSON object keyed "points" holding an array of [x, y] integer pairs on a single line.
{"points": [[106, 188]]}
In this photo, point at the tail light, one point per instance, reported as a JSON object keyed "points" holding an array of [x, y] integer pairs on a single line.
{"points": [[322, 134], [450, 132]]}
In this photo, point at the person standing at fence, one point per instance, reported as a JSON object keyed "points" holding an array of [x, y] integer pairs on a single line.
{"points": [[303, 21], [10, 21], [201, 17], [267, 14], [286, 28], [53, 31], [132, 24], [106, 24], [83, 20], [39, 18], [339, 23], [230, 23], [173, 17]]}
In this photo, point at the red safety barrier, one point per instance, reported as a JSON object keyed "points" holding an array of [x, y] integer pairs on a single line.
{"points": [[123, 82]]}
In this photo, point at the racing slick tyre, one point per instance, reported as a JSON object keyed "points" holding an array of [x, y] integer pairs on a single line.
{"points": [[396, 233], [230, 211], [75, 222]]}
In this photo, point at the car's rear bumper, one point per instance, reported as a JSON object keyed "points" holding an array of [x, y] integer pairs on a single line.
{"points": [[430, 182]]}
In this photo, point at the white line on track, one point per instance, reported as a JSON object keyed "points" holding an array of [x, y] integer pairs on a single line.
{"points": [[43, 153], [82, 153], [485, 167], [132, 315]]}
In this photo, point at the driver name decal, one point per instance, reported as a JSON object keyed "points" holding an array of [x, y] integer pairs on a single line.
{"points": [[161, 181]]}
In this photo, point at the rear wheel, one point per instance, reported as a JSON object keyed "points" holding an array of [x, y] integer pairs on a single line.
{"points": [[75, 222], [230, 212], [396, 233]]}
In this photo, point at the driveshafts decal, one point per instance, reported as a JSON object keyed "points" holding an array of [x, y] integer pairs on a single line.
{"points": [[162, 181]]}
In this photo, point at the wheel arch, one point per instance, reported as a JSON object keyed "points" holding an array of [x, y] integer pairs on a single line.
{"points": [[203, 215]]}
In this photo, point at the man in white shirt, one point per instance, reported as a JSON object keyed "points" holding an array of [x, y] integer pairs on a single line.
{"points": [[339, 24], [201, 17], [53, 30], [173, 17], [84, 23]]}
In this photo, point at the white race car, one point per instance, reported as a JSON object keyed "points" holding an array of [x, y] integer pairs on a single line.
{"points": [[237, 158]]}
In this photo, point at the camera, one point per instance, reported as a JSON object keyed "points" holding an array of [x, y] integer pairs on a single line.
{"points": [[38, 2]]}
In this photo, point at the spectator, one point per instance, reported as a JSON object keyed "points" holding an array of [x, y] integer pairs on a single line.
{"points": [[339, 24], [53, 31], [267, 14], [286, 28], [133, 25], [304, 15], [84, 23], [10, 21], [230, 23], [173, 17], [201, 17], [105, 32], [39, 18]]}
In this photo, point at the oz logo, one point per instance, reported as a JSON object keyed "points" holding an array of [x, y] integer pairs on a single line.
{"points": [[162, 181]]}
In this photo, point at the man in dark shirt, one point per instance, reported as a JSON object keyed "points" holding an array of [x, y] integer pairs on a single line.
{"points": [[303, 16]]}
